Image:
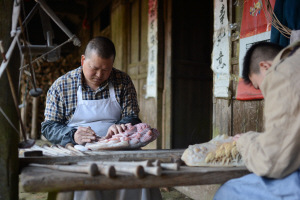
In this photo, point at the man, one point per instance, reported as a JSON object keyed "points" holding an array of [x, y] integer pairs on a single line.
{"points": [[273, 156], [93, 100]]}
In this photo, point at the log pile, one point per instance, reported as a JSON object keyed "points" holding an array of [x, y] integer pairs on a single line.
{"points": [[46, 73]]}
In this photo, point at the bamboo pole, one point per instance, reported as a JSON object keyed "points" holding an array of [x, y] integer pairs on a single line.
{"points": [[34, 119]]}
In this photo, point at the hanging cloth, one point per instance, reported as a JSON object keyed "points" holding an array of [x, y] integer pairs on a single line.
{"points": [[287, 12]]}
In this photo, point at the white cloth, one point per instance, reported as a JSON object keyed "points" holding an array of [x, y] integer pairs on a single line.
{"points": [[295, 35], [98, 114]]}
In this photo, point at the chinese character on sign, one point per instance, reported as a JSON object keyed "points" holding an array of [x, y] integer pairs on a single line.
{"points": [[152, 50], [221, 65], [221, 35], [222, 14]]}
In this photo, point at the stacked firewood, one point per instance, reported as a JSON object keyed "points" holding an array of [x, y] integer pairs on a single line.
{"points": [[46, 73]]}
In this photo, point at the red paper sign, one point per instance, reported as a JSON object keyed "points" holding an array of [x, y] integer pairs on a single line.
{"points": [[254, 20]]}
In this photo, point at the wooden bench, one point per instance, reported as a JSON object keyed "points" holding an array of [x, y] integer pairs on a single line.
{"points": [[37, 179]]}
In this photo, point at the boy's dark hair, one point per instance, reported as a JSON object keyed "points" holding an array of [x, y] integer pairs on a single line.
{"points": [[260, 51], [102, 46]]}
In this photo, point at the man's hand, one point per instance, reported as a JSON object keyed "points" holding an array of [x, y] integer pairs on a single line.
{"points": [[84, 134], [115, 129]]}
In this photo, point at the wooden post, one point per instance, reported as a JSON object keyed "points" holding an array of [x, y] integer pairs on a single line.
{"points": [[167, 92], [24, 110], [9, 138], [34, 119], [60, 195]]}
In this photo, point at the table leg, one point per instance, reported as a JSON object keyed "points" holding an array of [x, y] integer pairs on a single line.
{"points": [[60, 195]]}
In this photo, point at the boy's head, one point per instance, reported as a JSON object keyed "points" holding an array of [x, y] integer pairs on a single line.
{"points": [[257, 61]]}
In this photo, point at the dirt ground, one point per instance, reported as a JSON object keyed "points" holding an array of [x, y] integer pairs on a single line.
{"points": [[167, 194]]}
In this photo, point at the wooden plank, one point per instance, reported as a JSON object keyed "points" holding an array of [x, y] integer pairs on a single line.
{"points": [[134, 32], [36, 179], [221, 117], [8, 137], [160, 71], [148, 106], [167, 90], [119, 32], [138, 76], [165, 155], [247, 116], [144, 34], [142, 63], [133, 70]]}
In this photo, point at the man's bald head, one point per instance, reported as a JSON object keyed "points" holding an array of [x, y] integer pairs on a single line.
{"points": [[102, 46]]}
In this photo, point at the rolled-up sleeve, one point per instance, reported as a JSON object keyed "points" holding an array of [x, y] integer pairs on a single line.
{"points": [[58, 133], [54, 128]]}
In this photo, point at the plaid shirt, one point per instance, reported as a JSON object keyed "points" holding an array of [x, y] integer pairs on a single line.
{"points": [[62, 95]]}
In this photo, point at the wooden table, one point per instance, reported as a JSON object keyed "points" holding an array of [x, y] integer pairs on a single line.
{"points": [[37, 179]]}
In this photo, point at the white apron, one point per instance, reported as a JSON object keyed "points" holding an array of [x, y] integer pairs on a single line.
{"points": [[100, 115]]}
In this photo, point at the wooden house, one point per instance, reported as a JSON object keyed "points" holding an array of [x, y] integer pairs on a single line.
{"points": [[182, 105]]}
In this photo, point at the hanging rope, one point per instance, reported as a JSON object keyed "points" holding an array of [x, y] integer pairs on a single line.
{"points": [[271, 18]]}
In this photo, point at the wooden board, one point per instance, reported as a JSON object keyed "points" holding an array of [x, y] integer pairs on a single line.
{"points": [[222, 116], [248, 116], [133, 155], [8, 137], [37, 179]]}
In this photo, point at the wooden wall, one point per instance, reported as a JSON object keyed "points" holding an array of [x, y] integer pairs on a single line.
{"points": [[138, 59], [231, 116], [128, 30]]}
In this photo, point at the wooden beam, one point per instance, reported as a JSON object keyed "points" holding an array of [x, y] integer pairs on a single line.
{"points": [[37, 179], [119, 33], [164, 155], [68, 7], [9, 139], [167, 89]]}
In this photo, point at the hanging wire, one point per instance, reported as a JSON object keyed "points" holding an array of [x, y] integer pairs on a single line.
{"points": [[26, 30], [272, 18], [25, 43], [10, 122], [58, 46]]}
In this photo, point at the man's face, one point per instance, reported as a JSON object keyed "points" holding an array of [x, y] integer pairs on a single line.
{"points": [[257, 78], [96, 70]]}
